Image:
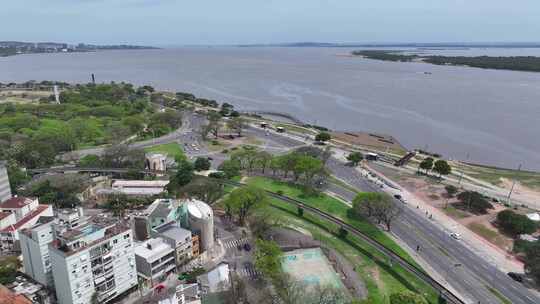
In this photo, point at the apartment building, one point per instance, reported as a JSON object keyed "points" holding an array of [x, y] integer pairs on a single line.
{"points": [[155, 260], [178, 238], [36, 239], [35, 250], [5, 190], [94, 257]]}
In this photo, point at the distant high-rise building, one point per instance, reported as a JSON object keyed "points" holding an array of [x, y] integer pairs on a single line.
{"points": [[5, 190]]}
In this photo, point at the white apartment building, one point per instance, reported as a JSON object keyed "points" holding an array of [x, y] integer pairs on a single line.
{"points": [[36, 239], [155, 260], [35, 250], [96, 256], [5, 190]]}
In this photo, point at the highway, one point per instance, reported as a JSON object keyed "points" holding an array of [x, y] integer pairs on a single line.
{"points": [[465, 271]]}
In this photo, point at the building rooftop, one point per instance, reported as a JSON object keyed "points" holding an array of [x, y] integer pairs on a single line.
{"points": [[173, 231], [199, 209], [95, 229], [153, 249], [36, 212], [9, 297], [16, 202], [217, 279], [140, 183]]}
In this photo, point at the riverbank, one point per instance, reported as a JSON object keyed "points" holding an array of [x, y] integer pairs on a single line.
{"points": [[513, 63]]}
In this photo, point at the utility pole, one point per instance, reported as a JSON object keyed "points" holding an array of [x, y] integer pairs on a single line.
{"points": [[461, 175], [512, 188]]}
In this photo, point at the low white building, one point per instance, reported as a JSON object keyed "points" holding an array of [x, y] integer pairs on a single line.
{"points": [[216, 280], [139, 187], [155, 260]]}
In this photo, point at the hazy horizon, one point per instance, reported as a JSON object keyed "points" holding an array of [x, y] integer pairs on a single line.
{"points": [[185, 23]]}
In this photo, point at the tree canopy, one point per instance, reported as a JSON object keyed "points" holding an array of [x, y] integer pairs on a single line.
{"points": [[515, 223], [242, 201]]}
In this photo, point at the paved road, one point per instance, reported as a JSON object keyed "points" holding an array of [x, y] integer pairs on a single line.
{"points": [[468, 273]]}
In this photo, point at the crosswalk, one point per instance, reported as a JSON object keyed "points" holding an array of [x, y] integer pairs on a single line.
{"points": [[234, 243], [249, 272]]}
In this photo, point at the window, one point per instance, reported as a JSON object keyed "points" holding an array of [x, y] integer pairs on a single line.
{"points": [[126, 235], [115, 241]]}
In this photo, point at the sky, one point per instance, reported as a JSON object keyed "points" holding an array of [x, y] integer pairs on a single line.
{"points": [[217, 22]]}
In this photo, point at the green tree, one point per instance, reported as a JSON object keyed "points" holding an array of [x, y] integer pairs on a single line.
{"points": [[365, 202], [237, 124], [9, 265], [355, 158], [268, 259], [323, 137], [442, 167], [515, 223], [90, 161], [202, 164], [426, 164], [205, 189], [474, 202], [230, 167], [242, 201], [451, 190], [532, 261], [184, 175], [407, 297]]}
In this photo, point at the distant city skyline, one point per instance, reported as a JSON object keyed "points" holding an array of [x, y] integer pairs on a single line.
{"points": [[204, 22]]}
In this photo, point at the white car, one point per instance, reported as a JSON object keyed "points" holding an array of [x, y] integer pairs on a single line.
{"points": [[455, 235]]}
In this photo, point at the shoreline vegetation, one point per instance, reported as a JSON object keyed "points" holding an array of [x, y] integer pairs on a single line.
{"points": [[513, 63]]}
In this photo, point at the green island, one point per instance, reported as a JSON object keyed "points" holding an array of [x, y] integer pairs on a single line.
{"points": [[514, 63]]}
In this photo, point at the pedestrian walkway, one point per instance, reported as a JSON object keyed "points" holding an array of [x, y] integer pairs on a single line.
{"points": [[234, 243], [249, 272]]}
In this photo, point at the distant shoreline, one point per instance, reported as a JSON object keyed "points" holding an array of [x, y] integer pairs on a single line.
{"points": [[511, 63], [13, 48]]}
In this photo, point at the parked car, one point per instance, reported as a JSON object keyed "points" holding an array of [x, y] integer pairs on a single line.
{"points": [[518, 277]]}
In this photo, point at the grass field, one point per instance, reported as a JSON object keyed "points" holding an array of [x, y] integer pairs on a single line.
{"points": [[333, 206], [494, 175], [173, 150], [381, 278], [455, 213], [492, 236]]}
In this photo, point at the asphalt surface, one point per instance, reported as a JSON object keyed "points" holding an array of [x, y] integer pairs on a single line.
{"points": [[466, 272]]}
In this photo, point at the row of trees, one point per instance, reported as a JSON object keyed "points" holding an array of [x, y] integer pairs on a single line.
{"points": [[440, 166], [305, 166], [378, 206]]}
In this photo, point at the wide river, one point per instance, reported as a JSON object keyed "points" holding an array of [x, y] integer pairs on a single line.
{"points": [[494, 116]]}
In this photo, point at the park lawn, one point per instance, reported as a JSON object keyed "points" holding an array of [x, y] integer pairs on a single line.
{"points": [[333, 206], [455, 213], [173, 150], [381, 279]]}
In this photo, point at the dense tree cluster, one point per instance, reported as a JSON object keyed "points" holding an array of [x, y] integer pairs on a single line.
{"points": [[60, 190], [242, 201], [516, 63], [87, 115], [376, 205], [474, 202], [304, 166], [515, 223]]}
